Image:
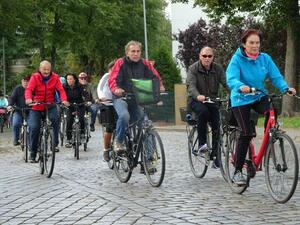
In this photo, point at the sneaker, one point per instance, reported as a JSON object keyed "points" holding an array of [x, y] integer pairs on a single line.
{"points": [[142, 170], [68, 144], [32, 160], [215, 164], [106, 155], [16, 143], [119, 147], [56, 149], [203, 149], [92, 127], [238, 178]]}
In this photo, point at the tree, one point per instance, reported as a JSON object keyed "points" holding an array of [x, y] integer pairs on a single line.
{"points": [[283, 13]]}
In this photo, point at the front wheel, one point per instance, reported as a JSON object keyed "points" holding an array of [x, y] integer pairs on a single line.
{"points": [[198, 163], [221, 154], [76, 140], [154, 161], [281, 168], [49, 152], [24, 142]]}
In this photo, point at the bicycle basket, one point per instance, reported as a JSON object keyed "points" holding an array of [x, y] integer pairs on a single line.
{"points": [[108, 115], [185, 114], [144, 91]]}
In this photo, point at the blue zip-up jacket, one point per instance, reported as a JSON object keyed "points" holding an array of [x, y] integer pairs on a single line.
{"points": [[243, 70]]}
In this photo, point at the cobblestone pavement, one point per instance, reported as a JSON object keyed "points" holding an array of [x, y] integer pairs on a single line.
{"points": [[85, 191]]}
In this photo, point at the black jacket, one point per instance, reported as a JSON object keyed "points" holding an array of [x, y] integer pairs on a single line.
{"points": [[17, 97], [75, 94], [202, 82]]}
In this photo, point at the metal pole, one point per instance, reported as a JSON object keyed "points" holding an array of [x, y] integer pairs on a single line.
{"points": [[145, 30], [3, 58]]}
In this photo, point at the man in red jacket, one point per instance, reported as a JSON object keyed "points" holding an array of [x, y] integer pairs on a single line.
{"points": [[41, 88]]}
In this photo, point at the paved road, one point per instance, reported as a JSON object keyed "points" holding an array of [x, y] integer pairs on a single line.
{"points": [[85, 191]]}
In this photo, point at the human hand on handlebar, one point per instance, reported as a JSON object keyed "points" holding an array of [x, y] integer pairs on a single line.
{"points": [[66, 103], [245, 89], [200, 98], [291, 91], [28, 101], [119, 91]]}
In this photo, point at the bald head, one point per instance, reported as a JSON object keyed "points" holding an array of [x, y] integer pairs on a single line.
{"points": [[45, 68], [206, 57]]}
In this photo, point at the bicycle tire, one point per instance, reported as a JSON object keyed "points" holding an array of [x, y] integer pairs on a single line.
{"points": [[281, 157], [197, 163], [49, 153], [154, 161], [110, 163], [76, 140], [221, 154], [24, 144], [230, 162], [121, 164], [40, 153], [62, 130], [1, 123]]}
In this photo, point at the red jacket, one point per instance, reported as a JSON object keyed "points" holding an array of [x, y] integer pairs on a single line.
{"points": [[40, 91]]}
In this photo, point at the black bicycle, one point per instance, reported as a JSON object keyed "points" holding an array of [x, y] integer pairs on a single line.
{"points": [[46, 147], [144, 147], [63, 123]]}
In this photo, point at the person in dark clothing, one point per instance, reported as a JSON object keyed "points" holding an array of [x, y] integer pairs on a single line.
{"points": [[203, 80], [75, 94], [18, 100]]}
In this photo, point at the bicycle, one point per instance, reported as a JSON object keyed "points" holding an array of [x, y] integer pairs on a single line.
{"points": [[24, 134], [76, 131], [3, 119], [87, 129], [46, 147], [144, 147], [277, 153], [199, 162], [63, 123]]}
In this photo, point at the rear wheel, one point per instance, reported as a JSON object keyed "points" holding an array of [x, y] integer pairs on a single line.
{"points": [[221, 154], [121, 164], [154, 161], [76, 138], [49, 153], [24, 142], [62, 130], [198, 163], [110, 163], [230, 160], [281, 168], [40, 154], [2, 122]]}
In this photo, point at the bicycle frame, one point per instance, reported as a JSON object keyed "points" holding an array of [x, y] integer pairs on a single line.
{"points": [[257, 157]]}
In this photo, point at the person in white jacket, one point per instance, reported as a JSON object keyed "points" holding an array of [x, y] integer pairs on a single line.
{"points": [[105, 95]]}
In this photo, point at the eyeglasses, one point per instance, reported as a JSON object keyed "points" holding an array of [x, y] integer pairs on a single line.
{"points": [[82, 78], [207, 56]]}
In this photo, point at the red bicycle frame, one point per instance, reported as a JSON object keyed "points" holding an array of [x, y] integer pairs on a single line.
{"points": [[257, 158]]}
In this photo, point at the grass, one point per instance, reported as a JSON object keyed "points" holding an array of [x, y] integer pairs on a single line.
{"points": [[287, 122]]}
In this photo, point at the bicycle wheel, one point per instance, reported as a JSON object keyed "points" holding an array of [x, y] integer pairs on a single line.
{"points": [[230, 159], [198, 163], [24, 142], [40, 153], [154, 161], [221, 154], [110, 163], [76, 140], [121, 164], [62, 129], [281, 168], [1, 123], [49, 152]]}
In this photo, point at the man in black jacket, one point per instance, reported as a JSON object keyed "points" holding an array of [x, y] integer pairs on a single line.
{"points": [[203, 80], [18, 100]]}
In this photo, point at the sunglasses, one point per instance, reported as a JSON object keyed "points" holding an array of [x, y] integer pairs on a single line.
{"points": [[207, 56], [82, 78]]}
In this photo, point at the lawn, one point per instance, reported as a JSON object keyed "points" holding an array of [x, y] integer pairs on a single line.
{"points": [[288, 122]]}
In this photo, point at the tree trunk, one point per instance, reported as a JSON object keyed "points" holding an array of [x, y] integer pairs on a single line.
{"points": [[289, 104]]}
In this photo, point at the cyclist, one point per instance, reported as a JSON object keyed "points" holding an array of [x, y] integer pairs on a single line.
{"points": [[250, 68], [89, 98], [203, 80], [41, 88], [18, 99], [3, 100], [104, 94], [126, 68], [75, 94]]}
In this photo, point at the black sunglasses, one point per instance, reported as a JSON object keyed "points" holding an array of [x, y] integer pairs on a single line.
{"points": [[207, 56]]}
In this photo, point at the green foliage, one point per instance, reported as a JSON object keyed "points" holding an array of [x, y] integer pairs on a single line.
{"points": [[166, 67]]}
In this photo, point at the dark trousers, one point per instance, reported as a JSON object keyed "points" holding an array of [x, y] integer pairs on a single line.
{"points": [[70, 120], [242, 115], [206, 112]]}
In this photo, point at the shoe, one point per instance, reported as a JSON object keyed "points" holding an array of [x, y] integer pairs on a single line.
{"points": [[203, 149], [16, 143], [142, 170], [238, 178], [32, 160], [68, 145], [215, 164], [56, 149], [119, 147], [106, 155], [92, 127]]}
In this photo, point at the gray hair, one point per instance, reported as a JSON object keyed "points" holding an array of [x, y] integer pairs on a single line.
{"points": [[45, 63], [132, 43]]}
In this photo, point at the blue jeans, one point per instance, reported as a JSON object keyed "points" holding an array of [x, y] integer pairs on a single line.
{"points": [[125, 113], [34, 124], [94, 109], [17, 121]]}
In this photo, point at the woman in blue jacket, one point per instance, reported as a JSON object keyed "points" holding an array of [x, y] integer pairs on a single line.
{"points": [[250, 68]]}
